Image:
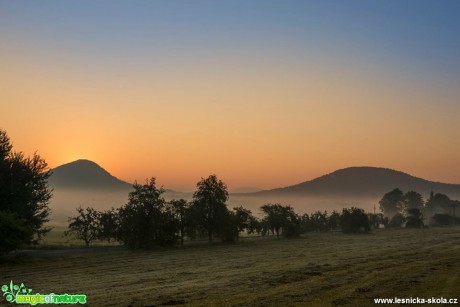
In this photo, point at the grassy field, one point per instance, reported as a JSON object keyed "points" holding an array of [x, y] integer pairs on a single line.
{"points": [[316, 270], [57, 239]]}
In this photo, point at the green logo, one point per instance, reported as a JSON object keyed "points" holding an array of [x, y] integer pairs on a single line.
{"points": [[19, 294], [14, 290]]}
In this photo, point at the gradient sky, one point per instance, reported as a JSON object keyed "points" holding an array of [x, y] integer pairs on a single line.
{"points": [[262, 93]]}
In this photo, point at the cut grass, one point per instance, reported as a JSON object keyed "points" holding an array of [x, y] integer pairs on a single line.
{"points": [[56, 238], [316, 270]]}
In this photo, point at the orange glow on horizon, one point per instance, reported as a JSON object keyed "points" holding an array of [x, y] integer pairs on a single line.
{"points": [[253, 125]]}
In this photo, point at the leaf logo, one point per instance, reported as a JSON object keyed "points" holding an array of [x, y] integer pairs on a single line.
{"points": [[12, 290]]}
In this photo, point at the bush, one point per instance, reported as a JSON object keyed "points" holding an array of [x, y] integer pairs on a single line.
{"points": [[354, 220]]}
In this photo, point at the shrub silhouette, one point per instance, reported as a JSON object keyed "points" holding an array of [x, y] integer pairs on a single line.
{"points": [[354, 220]]}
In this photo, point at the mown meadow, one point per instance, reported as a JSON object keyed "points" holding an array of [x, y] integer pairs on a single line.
{"points": [[318, 269]]}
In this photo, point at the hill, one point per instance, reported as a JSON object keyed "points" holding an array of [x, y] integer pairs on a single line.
{"points": [[85, 174], [84, 183], [362, 182], [245, 190]]}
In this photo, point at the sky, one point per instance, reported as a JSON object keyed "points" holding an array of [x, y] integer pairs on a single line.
{"points": [[262, 93]]}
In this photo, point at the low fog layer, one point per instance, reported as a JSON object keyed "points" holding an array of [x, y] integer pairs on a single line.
{"points": [[86, 184], [65, 201]]}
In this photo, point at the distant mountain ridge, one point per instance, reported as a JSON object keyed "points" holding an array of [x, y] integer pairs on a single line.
{"points": [[362, 182], [85, 183], [245, 190], [85, 174]]}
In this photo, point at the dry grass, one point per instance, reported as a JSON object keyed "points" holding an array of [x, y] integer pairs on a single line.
{"points": [[316, 270]]}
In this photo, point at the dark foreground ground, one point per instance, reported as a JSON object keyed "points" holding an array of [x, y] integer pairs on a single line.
{"points": [[316, 270]]}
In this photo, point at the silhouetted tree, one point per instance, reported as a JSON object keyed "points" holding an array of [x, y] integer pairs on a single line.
{"points": [[392, 203], [274, 217], [108, 225], [146, 221], [414, 218], [194, 226], [180, 208], [292, 227], [209, 201], [85, 226], [320, 221], [412, 200], [305, 222], [244, 220], [255, 226], [438, 203], [354, 220], [278, 217], [24, 195], [228, 226], [334, 220], [168, 226]]}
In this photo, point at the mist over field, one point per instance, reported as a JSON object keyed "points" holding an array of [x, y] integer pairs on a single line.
{"points": [[65, 201], [84, 183]]}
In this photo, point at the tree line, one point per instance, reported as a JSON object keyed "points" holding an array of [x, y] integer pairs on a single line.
{"points": [[410, 210], [148, 220]]}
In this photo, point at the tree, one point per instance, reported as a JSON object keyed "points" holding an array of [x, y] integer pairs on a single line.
{"points": [[209, 202], [179, 208], [392, 203], [278, 217], [354, 220], [414, 218], [242, 219], [85, 226], [255, 226], [194, 222], [24, 195], [146, 221], [168, 226], [334, 220], [274, 217], [438, 203], [228, 226], [320, 221], [108, 225], [246, 221], [292, 227], [412, 200], [306, 223]]}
